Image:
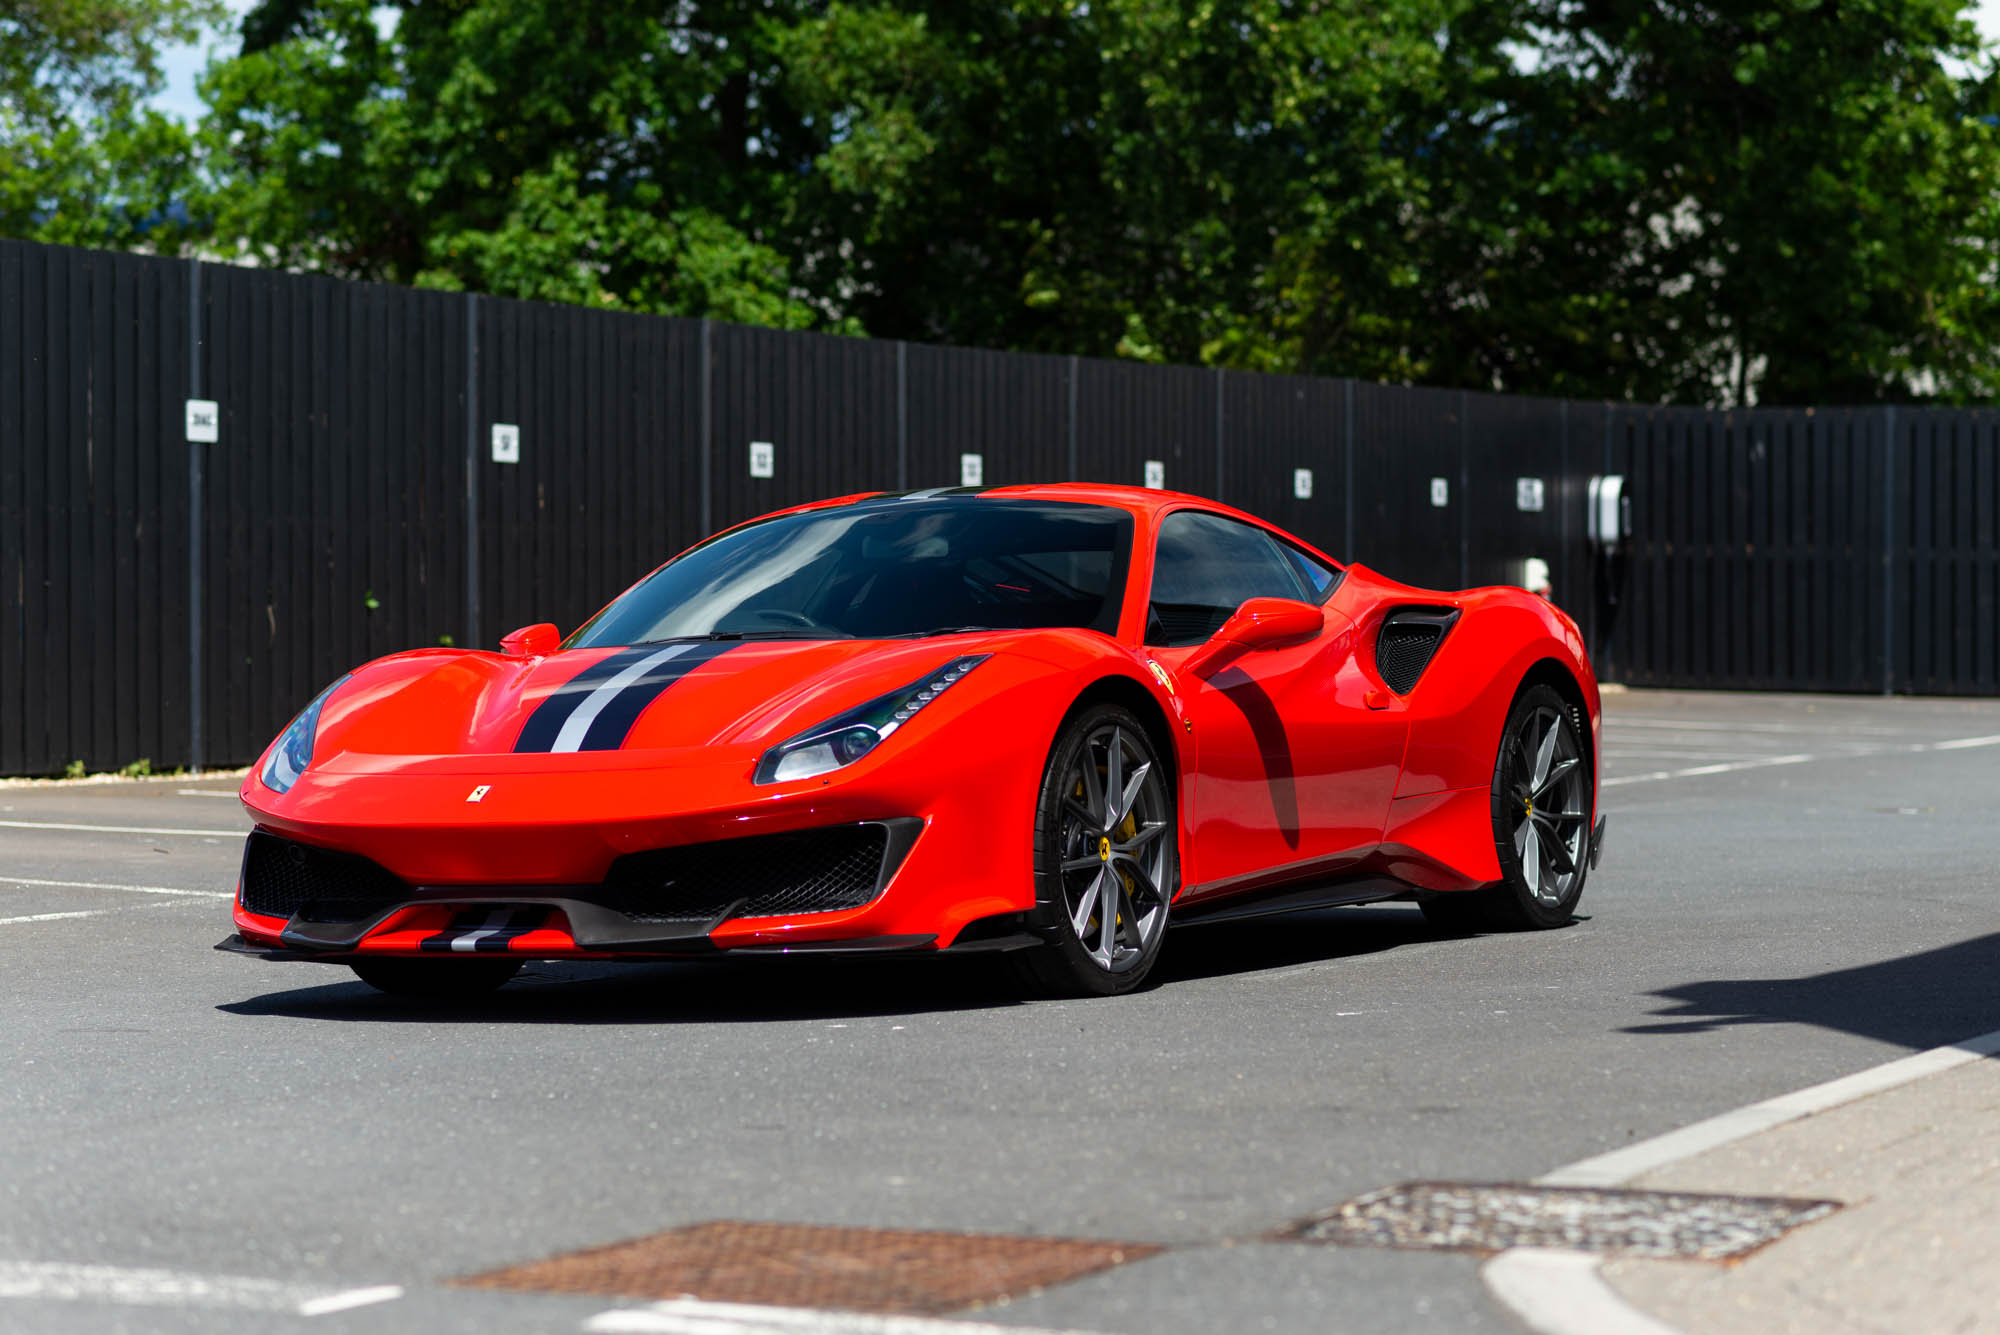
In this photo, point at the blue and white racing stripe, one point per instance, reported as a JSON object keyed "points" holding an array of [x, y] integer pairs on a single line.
{"points": [[595, 709], [485, 932]]}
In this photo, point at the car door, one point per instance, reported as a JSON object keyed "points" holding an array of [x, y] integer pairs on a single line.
{"points": [[1297, 751]]}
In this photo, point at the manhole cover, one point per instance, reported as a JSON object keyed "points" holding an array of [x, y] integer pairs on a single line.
{"points": [[802, 1265], [1490, 1217]]}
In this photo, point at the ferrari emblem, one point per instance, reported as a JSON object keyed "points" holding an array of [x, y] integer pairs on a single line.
{"points": [[478, 793], [1104, 849]]}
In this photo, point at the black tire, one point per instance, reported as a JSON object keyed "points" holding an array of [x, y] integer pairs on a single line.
{"points": [[1543, 851], [435, 978], [1090, 843]]}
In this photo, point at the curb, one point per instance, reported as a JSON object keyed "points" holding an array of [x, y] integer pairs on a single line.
{"points": [[1558, 1292]]}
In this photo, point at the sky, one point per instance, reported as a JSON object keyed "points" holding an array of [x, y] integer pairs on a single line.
{"points": [[182, 64]]}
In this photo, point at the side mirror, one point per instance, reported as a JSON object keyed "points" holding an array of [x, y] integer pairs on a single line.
{"points": [[1261, 623], [531, 641]]}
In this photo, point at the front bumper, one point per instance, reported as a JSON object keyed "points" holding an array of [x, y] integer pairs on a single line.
{"points": [[306, 900]]}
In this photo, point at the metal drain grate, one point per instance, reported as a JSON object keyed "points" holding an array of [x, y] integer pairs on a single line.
{"points": [[802, 1265], [1490, 1217]]}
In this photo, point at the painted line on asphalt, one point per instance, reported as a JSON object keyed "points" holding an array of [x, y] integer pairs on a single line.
{"points": [[52, 917], [1612, 723], [1762, 762], [56, 1281], [691, 1316], [130, 889], [1559, 1292], [348, 1301], [1729, 767], [118, 829]]}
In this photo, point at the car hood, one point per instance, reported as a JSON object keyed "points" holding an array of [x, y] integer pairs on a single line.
{"points": [[618, 705]]}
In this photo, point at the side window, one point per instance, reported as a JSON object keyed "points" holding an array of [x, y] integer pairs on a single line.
{"points": [[1317, 574], [1204, 568]]}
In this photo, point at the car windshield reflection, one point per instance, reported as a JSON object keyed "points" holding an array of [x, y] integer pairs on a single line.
{"points": [[885, 569]]}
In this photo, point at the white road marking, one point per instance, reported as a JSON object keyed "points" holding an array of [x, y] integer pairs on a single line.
{"points": [[118, 829], [343, 1302], [1710, 725], [57, 1281], [1761, 763], [52, 917], [1559, 1292], [207, 792], [1964, 743], [691, 1316], [106, 885], [1955, 744]]}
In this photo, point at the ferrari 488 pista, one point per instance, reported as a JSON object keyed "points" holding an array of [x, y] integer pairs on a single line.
{"points": [[1044, 720]]}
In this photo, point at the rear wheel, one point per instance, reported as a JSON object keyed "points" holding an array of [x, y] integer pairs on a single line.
{"points": [[1106, 860], [1541, 823], [435, 978]]}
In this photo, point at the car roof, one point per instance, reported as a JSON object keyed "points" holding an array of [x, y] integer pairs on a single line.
{"points": [[1145, 501]]}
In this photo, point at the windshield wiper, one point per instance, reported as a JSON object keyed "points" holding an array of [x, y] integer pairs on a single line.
{"points": [[773, 633], [937, 630]]}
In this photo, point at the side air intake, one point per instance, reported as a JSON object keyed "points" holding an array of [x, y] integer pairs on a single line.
{"points": [[1409, 640]]}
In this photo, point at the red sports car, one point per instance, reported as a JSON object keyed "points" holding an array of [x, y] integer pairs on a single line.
{"points": [[1044, 720]]}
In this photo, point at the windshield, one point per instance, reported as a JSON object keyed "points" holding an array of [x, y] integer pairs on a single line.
{"points": [[881, 569]]}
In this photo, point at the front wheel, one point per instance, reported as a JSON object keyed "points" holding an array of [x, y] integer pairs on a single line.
{"points": [[434, 978], [1106, 859], [1541, 823]]}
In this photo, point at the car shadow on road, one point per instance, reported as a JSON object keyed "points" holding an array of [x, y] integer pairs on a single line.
{"points": [[719, 992], [749, 991], [1252, 945], [1917, 1001]]}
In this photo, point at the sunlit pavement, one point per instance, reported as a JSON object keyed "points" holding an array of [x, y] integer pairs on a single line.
{"points": [[1794, 888]]}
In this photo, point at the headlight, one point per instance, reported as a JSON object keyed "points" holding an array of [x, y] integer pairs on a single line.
{"points": [[845, 738], [293, 750]]}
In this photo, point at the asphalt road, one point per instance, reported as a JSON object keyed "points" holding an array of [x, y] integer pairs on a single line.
{"points": [[1793, 888]]}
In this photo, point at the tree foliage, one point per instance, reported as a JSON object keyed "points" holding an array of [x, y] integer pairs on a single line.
{"points": [[1699, 200], [82, 160]]}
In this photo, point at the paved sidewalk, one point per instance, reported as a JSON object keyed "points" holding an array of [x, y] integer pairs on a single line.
{"points": [[1915, 1250]]}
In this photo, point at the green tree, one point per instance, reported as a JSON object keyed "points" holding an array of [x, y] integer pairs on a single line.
{"points": [[82, 160], [1818, 188], [606, 153], [1784, 200]]}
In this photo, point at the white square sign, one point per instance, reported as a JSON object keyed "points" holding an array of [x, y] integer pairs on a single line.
{"points": [[971, 470], [1528, 493], [763, 459], [506, 443], [1440, 492], [204, 421], [1302, 483], [1156, 474]]}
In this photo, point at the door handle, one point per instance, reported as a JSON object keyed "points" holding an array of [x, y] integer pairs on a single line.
{"points": [[1375, 699]]}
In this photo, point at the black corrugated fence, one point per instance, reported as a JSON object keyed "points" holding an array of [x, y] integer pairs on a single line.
{"points": [[352, 503]]}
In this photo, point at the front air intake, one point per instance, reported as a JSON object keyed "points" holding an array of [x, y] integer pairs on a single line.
{"points": [[803, 871], [282, 877], [1409, 640]]}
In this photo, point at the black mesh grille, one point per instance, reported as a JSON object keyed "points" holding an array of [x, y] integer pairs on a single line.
{"points": [[282, 878], [1404, 648], [806, 871]]}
